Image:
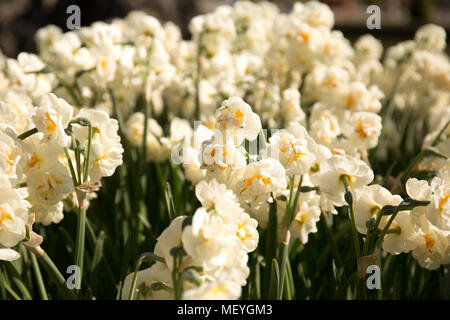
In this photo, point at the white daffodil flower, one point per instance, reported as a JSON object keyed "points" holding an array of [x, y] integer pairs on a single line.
{"points": [[210, 241], [433, 246], [260, 179], [404, 237], [52, 117], [106, 149], [438, 211], [50, 187], [363, 130], [13, 214], [418, 190], [217, 290], [7, 254], [294, 148], [335, 169], [156, 273], [220, 160], [368, 203], [305, 220], [237, 120]]}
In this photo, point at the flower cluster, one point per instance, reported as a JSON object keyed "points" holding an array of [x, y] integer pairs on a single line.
{"points": [[214, 251], [36, 165], [276, 119]]}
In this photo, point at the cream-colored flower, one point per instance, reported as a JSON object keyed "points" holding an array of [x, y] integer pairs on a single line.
{"points": [[52, 117], [48, 188], [432, 249], [305, 220], [369, 200], [13, 215], [106, 149], [438, 211], [335, 169], [363, 130], [156, 273], [169, 238], [260, 179], [294, 148], [222, 289], [237, 120], [404, 237]]}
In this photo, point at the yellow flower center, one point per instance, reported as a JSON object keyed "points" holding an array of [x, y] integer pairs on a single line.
{"points": [[35, 161], [301, 219], [248, 182], [365, 129], [51, 124], [218, 289], [350, 102], [4, 216], [101, 158], [444, 200], [103, 64], [331, 82], [239, 115], [241, 233], [429, 241], [10, 161], [304, 35]]}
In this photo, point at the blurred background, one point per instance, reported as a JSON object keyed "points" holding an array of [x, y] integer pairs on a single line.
{"points": [[19, 19]]}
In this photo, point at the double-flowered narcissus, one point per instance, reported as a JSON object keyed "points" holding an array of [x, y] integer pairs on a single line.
{"points": [[266, 157]]}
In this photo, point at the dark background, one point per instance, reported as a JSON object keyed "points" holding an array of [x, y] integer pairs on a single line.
{"points": [[20, 19]]}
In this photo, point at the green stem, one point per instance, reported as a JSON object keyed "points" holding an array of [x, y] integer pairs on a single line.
{"points": [[352, 218], [334, 246], [283, 258], [263, 141], [12, 292], [88, 154], [271, 240], [436, 140], [81, 230], [291, 209], [389, 107], [26, 134], [175, 278], [2, 284], [56, 275], [419, 157], [144, 150], [40, 282], [386, 227], [371, 234], [72, 170], [77, 158], [133, 284]]}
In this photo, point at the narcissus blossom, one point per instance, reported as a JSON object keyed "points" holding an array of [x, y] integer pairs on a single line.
{"points": [[52, 117], [369, 200], [237, 120], [357, 172]]}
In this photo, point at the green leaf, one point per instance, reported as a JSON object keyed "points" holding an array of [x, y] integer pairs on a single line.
{"points": [[432, 151], [169, 201], [98, 252], [274, 280]]}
